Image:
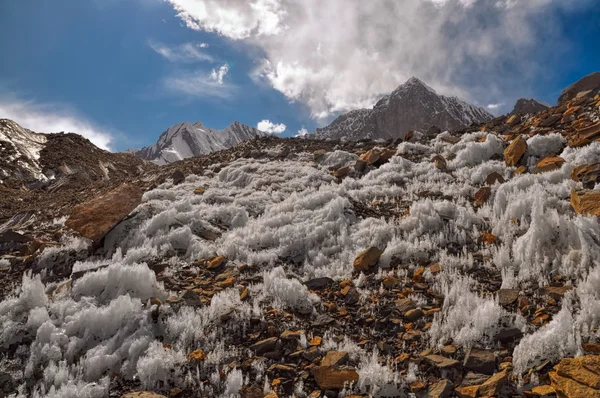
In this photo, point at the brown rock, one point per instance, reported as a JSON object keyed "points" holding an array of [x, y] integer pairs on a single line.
{"points": [[199, 190], [590, 133], [266, 345], [95, 218], [549, 164], [588, 174], [440, 162], [341, 172], [416, 386], [569, 388], [442, 362], [367, 259], [441, 389], [507, 296], [481, 361], [196, 356], [335, 358], [405, 304], [371, 156], [142, 394], [216, 262], [543, 390], [515, 151], [586, 202], [291, 335], [584, 370], [329, 378], [556, 292], [493, 178], [482, 196], [413, 315], [494, 384], [466, 392], [520, 170]]}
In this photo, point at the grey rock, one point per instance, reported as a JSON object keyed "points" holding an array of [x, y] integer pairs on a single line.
{"points": [[481, 361]]}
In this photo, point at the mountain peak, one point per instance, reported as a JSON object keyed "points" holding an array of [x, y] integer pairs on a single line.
{"points": [[414, 83]]}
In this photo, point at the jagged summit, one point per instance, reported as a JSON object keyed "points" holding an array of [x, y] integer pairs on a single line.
{"points": [[526, 106], [412, 106], [185, 140]]}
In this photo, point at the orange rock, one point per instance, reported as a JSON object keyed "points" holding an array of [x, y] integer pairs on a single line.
{"points": [[272, 394], [466, 392], [316, 341], [416, 386], [367, 259], [244, 294], [584, 370], [371, 156], [196, 356], [590, 132], [567, 387], [341, 172], [482, 196], [216, 262], [549, 164], [335, 358], [329, 378], [494, 384], [435, 268], [543, 390], [520, 170], [418, 274], [488, 238], [199, 190], [586, 202], [515, 151]]}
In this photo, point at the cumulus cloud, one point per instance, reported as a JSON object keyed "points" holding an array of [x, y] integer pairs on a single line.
{"points": [[185, 53], [266, 126], [46, 118], [345, 55], [218, 74], [303, 132]]}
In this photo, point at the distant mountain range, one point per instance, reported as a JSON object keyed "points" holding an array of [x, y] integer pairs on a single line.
{"points": [[412, 106], [185, 140]]}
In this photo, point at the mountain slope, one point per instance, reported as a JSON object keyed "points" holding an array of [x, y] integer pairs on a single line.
{"points": [[185, 140], [412, 106]]}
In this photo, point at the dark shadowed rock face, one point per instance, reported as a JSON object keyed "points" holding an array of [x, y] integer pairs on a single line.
{"points": [[525, 106], [589, 82], [412, 106]]}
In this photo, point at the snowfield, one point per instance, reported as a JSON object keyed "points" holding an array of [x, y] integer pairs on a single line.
{"points": [[289, 221]]}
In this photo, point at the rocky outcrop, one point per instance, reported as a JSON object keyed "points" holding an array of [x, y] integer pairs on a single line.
{"points": [[515, 151], [590, 82], [526, 106]]}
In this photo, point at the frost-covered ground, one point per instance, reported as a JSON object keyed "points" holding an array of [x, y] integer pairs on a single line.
{"points": [[281, 223]]}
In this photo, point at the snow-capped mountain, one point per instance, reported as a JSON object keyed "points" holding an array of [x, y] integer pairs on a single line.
{"points": [[412, 106], [526, 106], [20, 152], [185, 140]]}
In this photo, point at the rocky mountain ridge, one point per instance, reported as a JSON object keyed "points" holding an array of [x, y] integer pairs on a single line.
{"points": [[185, 140], [412, 106]]}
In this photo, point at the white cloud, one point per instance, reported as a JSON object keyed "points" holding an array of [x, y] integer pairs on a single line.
{"points": [[184, 53], [303, 132], [45, 118], [218, 74], [200, 85], [347, 53], [494, 106], [267, 126]]}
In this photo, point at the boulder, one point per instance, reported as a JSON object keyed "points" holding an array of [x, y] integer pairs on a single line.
{"points": [[515, 151], [493, 385], [371, 156], [549, 164], [441, 389], [587, 174], [586, 202], [95, 218], [367, 259], [589, 82]]}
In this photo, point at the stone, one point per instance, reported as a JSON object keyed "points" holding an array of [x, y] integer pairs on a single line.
{"points": [[318, 283], [556, 292], [493, 385], [178, 177], [586, 202], [96, 217], [413, 315], [569, 388], [488, 238], [367, 259], [549, 164], [291, 335], [441, 362], [142, 394], [341, 172], [371, 156], [416, 386], [199, 191], [520, 170], [550, 120], [507, 296], [588, 174], [216, 262], [543, 390], [266, 345], [440, 162], [329, 378], [441, 389], [433, 131], [196, 356], [466, 392], [591, 132], [474, 379], [482, 196], [272, 394], [480, 361], [584, 370], [508, 335], [360, 165], [335, 358], [515, 151], [493, 178], [404, 304]]}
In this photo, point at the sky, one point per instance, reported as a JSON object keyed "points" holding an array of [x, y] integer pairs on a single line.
{"points": [[120, 72]]}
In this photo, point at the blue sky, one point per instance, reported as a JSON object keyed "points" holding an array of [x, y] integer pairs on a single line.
{"points": [[122, 71]]}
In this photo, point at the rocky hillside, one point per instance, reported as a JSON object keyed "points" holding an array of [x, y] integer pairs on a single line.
{"points": [[187, 140], [412, 106], [461, 264]]}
